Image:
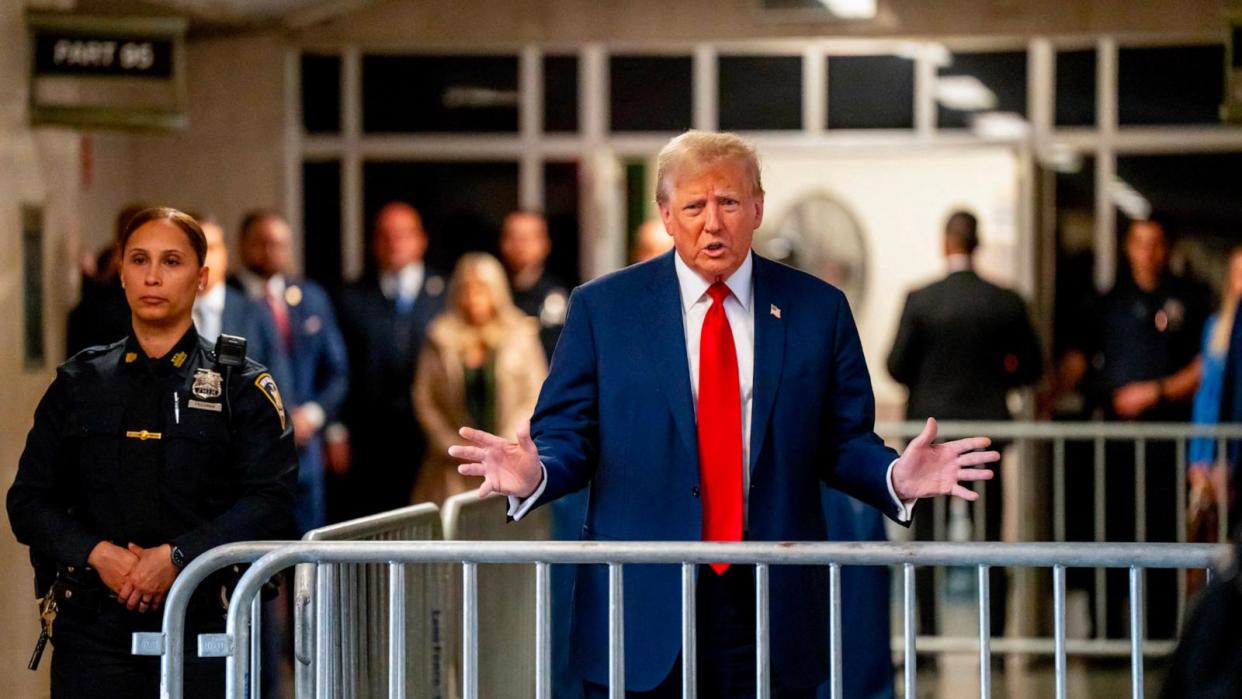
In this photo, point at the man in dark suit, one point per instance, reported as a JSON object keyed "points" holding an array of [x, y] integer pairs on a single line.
{"points": [[221, 309], [704, 395], [307, 330], [383, 318], [962, 344]]}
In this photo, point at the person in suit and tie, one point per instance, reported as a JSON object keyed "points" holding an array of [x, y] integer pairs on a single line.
{"points": [[222, 309], [384, 317], [704, 395], [307, 330], [962, 344]]}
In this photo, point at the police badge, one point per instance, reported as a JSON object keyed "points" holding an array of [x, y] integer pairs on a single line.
{"points": [[207, 384]]}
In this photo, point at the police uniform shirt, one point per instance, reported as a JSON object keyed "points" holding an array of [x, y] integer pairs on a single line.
{"points": [[175, 450], [1147, 335], [547, 301]]}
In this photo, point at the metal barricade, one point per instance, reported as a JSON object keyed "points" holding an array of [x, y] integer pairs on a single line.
{"points": [[341, 649], [1044, 444], [507, 631], [981, 556]]}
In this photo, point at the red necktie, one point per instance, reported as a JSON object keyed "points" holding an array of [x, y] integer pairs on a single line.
{"points": [[720, 426], [280, 313]]}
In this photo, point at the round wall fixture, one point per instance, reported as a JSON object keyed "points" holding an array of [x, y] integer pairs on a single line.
{"points": [[820, 235]]}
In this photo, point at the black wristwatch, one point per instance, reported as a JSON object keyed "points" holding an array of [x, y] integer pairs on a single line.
{"points": [[178, 558]]}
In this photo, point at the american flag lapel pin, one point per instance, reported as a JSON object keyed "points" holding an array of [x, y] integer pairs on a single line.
{"points": [[775, 311]]}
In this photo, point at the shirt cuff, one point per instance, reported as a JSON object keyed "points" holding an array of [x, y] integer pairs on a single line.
{"points": [[314, 412], [336, 432], [905, 508], [519, 507]]}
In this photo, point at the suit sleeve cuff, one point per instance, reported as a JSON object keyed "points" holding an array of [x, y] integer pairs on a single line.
{"points": [[905, 508], [519, 507]]}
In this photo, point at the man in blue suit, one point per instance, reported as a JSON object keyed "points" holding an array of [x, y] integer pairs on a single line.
{"points": [[384, 317], [307, 330], [221, 309], [704, 395]]}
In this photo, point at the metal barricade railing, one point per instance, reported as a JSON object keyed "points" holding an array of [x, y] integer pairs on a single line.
{"points": [[341, 611], [1026, 437], [980, 556], [507, 631]]}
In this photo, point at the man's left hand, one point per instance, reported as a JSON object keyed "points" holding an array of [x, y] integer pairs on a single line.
{"points": [[927, 469], [150, 578]]}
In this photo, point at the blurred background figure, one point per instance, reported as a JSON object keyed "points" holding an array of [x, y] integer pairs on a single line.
{"points": [[383, 317], [481, 365], [650, 240], [221, 309], [308, 334], [1138, 357], [962, 344], [102, 315], [1210, 472], [524, 247]]}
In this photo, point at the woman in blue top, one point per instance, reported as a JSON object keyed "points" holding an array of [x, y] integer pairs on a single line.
{"points": [[1206, 475]]}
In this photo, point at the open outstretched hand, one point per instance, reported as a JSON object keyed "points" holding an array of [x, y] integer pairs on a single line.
{"points": [[927, 469], [508, 468]]}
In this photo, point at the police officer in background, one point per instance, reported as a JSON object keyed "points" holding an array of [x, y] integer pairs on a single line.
{"points": [[143, 455], [1138, 360], [524, 248]]}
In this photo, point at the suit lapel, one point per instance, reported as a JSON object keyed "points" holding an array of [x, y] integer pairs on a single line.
{"points": [[769, 353], [665, 330]]}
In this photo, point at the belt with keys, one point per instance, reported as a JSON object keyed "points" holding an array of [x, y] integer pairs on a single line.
{"points": [[48, 607]]}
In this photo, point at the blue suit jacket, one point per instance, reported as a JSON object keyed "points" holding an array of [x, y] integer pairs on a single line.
{"points": [[318, 358], [617, 413], [254, 322]]}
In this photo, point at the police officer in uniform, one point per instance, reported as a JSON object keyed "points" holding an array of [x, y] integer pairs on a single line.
{"points": [[524, 248], [143, 455], [1140, 355]]}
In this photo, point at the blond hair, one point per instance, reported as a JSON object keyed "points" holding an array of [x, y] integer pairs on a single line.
{"points": [[1218, 343], [697, 149], [488, 270]]}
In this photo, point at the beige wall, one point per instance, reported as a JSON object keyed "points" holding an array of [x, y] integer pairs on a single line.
{"points": [[452, 22]]}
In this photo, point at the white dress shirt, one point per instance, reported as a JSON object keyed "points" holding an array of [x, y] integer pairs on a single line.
{"points": [[739, 309], [209, 313], [406, 282]]}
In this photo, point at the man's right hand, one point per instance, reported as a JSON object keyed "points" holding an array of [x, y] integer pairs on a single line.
{"points": [[113, 564], [508, 468]]}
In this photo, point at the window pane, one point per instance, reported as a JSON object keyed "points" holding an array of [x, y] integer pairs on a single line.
{"points": [[321, 221], [560, 193], [560, 93], [1004, 73], [650, 93], [462, 203], [1195, 195], [321, 93], [446, 94], [870, 92], [1075, 80], [760, 93], [1170, 85]]}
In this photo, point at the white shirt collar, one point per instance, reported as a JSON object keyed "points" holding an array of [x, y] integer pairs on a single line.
{"points": [[408, 280], [256, 286], [693, 286], [959, 262], [212, 300]]}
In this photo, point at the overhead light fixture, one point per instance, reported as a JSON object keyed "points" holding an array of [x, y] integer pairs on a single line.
{"points": [[1060, 157], [1128, 199], [850, 9], [965, 93], [1000, 126], [463, 97]]}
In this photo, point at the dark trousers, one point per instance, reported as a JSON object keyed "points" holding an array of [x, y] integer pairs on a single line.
{"points": [[725, 612], [92, 659], [1121, 520], [923, 528]]}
